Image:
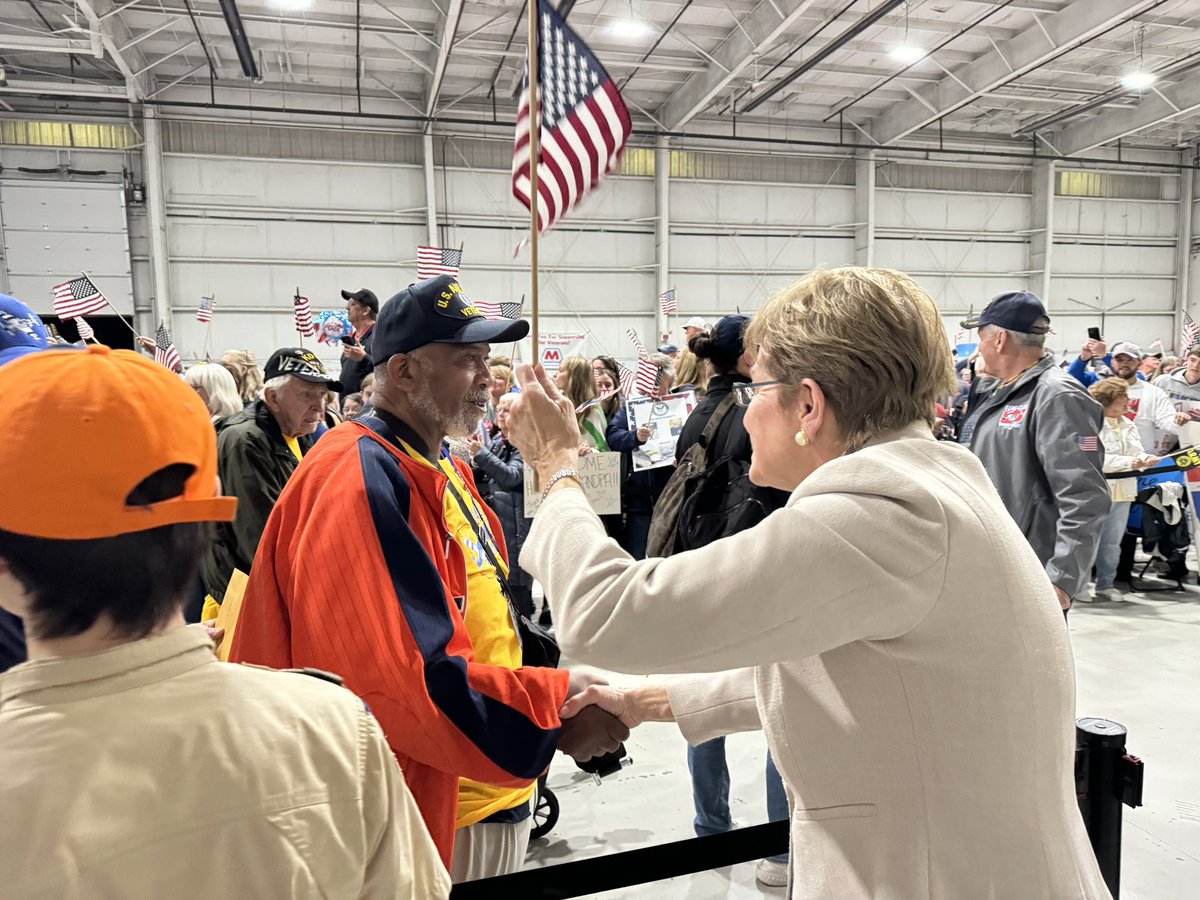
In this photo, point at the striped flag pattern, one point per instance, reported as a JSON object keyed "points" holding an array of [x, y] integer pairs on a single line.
{"points": [[583, 122], [435, 261], [303, 312], [205, 310], [666, 300], [85, 330], [164, 349], [637, 342], [1089, 443], [647, 378], [1190, 336], [77, 297], [504, 310], [627, 380]]}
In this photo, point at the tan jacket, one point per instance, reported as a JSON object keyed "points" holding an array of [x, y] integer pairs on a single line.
{"points": [[154, 771], [911, 670]]}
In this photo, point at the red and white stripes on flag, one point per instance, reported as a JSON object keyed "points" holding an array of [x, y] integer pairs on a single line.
{"points": [[637, 342], [627, 380], [77, 297], [583, 122], [1190, 335], [504, 310], [164, 349], [666, 300], [647, 377], [205, 310], [435, 261], [303, 312], [85, 330]]}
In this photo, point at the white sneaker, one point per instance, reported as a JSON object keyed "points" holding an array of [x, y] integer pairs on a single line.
{"points": [[771, 873], [1108, 595]]}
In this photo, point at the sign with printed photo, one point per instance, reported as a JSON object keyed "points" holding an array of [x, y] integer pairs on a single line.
{"points": [[664, 417]]}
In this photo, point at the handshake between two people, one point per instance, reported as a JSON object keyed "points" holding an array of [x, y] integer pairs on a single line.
{"points": [[597, 717]]}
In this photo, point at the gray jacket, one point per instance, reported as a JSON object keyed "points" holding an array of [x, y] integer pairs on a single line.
{"points": [[1038, 439], [500, 476]]}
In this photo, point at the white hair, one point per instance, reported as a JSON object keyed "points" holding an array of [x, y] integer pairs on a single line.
{"points": [[220, 386], [274, 384]]}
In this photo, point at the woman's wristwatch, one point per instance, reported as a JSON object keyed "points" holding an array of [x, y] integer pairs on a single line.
{"points": [[559, 476]]}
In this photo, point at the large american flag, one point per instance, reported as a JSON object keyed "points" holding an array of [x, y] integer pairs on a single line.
{"points": [[667, 301], [164, 348], [77, 297], [303, 312], [647, 377], [1190, 336], [504, 310], [435, 261], [205, 310], [583, 122]]}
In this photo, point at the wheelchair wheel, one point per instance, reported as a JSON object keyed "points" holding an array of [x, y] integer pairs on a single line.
{"points": [[545, 810]]}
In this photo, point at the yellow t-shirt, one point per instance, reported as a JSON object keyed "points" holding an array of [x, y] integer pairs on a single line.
{"points": [[294, 446], [490, 626]]}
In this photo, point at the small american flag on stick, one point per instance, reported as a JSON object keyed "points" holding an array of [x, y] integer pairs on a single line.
{"points": [[1190, 335], [77, 297], [583, 122], [303, 312], [164, 349], [637, 342], [666, 300], [627, 380], [647, 378], [435, 261], [85, 330], [205, 310], [504, 310]]}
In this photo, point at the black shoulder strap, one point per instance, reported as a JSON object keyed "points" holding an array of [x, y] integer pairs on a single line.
{"points": [[487, 541], [714, 421]]}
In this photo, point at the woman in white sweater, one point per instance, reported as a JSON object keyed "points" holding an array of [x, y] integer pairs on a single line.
{"points": [[889, 629], [1123, 451]]}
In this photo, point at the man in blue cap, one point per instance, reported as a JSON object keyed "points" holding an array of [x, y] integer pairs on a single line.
{"points": [[1036, 431]]}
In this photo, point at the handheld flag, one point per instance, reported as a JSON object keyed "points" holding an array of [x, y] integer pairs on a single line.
{"points": [[77, 297]]}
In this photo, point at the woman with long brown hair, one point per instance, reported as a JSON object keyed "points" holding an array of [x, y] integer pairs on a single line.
{"points": [[578, 384]]}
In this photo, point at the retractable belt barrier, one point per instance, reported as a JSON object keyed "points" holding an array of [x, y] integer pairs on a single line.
{"points": [[1106, 777], [618, 870]]}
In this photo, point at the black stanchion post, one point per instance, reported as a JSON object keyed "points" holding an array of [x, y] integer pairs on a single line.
{"points": [[1105, 778]]}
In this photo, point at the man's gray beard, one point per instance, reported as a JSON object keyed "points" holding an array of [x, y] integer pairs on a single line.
{"points": [[459, 424]]}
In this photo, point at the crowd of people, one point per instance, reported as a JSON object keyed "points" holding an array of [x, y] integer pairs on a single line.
{"points": [[824, 532]]}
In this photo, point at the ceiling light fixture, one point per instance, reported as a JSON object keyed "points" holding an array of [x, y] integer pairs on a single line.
{"points": [[629, 29], [1138, 80], [292, 4], [907, 54]]}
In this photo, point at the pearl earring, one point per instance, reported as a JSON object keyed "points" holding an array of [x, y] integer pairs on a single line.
{"points": [[802, 438]]}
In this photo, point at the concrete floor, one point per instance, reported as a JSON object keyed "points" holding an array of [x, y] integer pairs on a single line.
{"points": [[1138, 663]]}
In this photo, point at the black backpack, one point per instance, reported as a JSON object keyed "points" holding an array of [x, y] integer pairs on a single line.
{"points": [[704, 500]]}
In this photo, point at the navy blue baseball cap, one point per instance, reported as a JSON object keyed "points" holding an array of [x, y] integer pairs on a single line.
{"points": [[727, 340], [1015, 311], [437, 311]]}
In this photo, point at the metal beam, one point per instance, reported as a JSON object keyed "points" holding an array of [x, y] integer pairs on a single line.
{"points": [[756, 34], [662, 226], [44, 45], [1155, 107], [135, 86], [864, 208], [1053, 36], [449, 24], [62, 88]]}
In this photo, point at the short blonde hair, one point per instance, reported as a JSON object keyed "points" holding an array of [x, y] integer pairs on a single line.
{"points": [[243, 365], [689, 370], [871, 338], [504, 372], [1107, 391]]}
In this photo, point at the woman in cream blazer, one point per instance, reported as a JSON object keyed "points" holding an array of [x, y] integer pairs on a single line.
{"points": [[890, 630]]}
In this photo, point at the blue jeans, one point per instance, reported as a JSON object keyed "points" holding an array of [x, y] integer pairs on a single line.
{"points": [[637, 535], [1108, 553], [710, 790]]}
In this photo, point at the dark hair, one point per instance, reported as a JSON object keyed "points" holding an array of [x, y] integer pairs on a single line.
{"points": [[609, 363], [705, 346], [138, 580]]}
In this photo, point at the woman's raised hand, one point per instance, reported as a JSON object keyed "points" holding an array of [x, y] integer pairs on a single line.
{"points": [[542, 424]]}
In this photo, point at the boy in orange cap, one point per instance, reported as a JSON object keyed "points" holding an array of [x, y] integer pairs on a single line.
{"points": [[137, 765]]}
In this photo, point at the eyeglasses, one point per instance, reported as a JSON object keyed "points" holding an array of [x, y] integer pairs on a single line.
{"points": [[744, 393]]}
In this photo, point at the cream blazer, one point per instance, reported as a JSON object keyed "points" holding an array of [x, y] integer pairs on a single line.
{"points": [[897, 640]]}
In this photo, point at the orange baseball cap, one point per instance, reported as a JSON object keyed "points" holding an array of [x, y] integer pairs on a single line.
{"points": [[84, 428]]}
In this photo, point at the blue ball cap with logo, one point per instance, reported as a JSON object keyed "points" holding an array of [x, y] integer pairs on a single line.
{"points": [[21, 330], [437, 311], [1015, 311]]}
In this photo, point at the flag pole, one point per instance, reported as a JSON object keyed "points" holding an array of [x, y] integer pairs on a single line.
{"points": [[296, 324], [109, 304], [534, 154]]}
